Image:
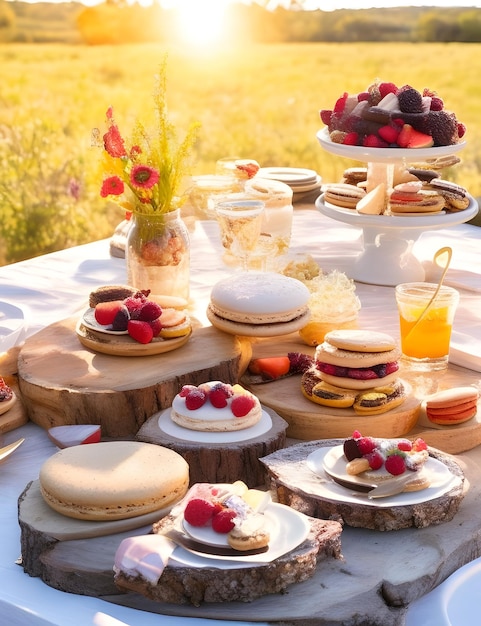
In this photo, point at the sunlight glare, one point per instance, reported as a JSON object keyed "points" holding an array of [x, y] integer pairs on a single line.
{"points": [[201, 22]]}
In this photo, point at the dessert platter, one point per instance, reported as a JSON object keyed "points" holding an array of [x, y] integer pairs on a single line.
{"points": [[403, 135], [219, 446]]}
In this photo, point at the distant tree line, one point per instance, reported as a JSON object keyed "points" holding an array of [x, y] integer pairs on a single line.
{"points": [[117, 21]]}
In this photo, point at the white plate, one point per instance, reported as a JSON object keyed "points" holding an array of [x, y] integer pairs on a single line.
{"points": [[11, 325], [288, 529], [332, 459], [453, 603], [89, 321], [385, 155], [290, 175], [169, 427]]}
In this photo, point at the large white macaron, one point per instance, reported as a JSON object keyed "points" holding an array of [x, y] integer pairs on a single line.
{"points": [[259, 304], [113, 480]]}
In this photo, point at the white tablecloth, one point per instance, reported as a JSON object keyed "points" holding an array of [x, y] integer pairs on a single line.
{"points": [[55, 286]]}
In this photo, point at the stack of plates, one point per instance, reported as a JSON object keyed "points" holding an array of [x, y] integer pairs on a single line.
{"points": [[300, 180]]}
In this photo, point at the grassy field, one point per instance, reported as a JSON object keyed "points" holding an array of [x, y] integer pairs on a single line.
{"points": [[260, 101]]}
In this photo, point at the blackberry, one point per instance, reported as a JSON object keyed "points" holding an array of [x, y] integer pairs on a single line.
{"points": [[300, 362], [121, 319], [443, 127], [410, 100]]}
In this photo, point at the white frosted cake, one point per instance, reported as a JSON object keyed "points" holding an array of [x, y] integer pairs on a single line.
{"points": [[215, 407]]}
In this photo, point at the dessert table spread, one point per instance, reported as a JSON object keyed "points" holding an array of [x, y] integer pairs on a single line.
{"points": [[56, 286]]}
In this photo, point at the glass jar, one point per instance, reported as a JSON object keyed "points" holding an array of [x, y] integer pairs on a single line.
{"points": [[158, 255]]}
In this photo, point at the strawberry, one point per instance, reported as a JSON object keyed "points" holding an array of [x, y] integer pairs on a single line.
{"points": [[195, 399], [395, 464], [409, 137], [149, 311], [140, 331], [341, 103], [362, 373], [389, 133], [105, 312], [223, 521], [241, 405], [356, 435], [198, 511], [363, 96]]}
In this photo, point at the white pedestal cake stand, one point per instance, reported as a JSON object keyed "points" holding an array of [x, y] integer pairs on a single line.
{"points": [[387, 257]]}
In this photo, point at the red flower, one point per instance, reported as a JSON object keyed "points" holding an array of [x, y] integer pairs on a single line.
{"points": [[144, 176], [112, 186], [113, 142], [135, 151]]}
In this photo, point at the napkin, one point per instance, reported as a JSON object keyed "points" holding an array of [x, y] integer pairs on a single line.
{"points": [[145, 555]]}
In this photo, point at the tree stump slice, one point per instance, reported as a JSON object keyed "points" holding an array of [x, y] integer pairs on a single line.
{"points": [[221, 462], [291, 478], [62, 382]]}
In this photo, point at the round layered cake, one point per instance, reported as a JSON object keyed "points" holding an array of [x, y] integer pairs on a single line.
{"points": [[215, 407], [113, 480]]}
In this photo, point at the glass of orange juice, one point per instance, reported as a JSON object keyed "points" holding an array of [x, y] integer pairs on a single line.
{"points": [[426, 335]]}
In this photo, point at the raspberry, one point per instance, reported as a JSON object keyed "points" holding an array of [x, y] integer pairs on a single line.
{"points": [[149, 311], [366, 445], [405, 445], [461, 130], [437, 103], [156, 326], [105, 312], [218, 396], [351, 139], [375, 459], [395, 464], [223, 521], [185, 390], [140, 331], [325, 115], [419, 444], [241, 405], [195, 399], [356, 435], [373, 141], [198, 511], [134, 304], [385, 88], [300, 362], [364, 95], [391, 367]]}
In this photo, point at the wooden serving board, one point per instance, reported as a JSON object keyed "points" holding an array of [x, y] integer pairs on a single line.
{"points": [[64, 382]]}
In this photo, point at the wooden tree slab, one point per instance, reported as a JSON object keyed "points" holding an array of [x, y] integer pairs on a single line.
{"points": [[221, 462], [16, 415], [63, 382], [295, 485]]}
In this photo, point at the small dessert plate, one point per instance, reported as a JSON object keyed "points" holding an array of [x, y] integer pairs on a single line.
{"points": [[89, 321]]}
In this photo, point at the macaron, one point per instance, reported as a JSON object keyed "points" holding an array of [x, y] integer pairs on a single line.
{"points": [[343, 195], [259, 304], [455, 196], [412, 197], [452, 406], [113, 480]]}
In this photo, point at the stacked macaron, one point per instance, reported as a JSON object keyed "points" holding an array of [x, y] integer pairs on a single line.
{"points": [[259, 304], [413, 198], [452, 406], [358, 369], [343, 195]]}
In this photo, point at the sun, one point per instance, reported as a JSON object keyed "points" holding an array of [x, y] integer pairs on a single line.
{"points": [[201, 22]]}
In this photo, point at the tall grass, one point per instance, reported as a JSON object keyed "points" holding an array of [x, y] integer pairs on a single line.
{"points": [[260, 101]]}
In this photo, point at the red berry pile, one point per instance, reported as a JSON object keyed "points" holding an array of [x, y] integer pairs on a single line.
{"points": [[218, 395], [394, 455], [388, 116], [359, 373], [137, 315], [201, 512]]}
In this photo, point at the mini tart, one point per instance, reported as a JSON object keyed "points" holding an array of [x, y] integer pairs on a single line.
{"points": [[7, 397]]}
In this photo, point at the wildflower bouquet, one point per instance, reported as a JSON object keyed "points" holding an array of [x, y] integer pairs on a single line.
{"points": [[147, 172]]}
